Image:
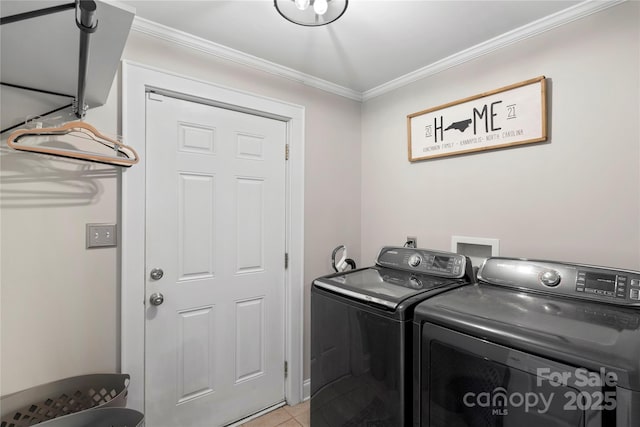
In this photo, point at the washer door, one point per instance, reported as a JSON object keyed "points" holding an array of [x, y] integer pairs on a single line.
{"points": [[359, 366], [467, 381]]}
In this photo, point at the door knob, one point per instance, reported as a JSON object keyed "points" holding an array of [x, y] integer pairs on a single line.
{"points": [[156, 299], [156, 274]]}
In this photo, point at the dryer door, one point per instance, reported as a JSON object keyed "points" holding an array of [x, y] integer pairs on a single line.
{"points": [[466, 381]]}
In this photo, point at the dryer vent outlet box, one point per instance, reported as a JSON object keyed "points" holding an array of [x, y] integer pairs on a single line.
{"points": [[477, 249]]}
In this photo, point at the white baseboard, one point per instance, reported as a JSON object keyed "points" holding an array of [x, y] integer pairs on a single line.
{"points": [[306, 389]]}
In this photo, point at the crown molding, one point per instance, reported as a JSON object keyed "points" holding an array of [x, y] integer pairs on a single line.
{"points": [[581, 10], [532, 29], [181, 38]]}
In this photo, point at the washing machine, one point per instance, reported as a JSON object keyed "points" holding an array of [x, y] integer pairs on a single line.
{"points": [[533, 343], [361, 355]]}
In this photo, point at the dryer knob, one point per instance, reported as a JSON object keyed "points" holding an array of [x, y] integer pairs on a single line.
{"points": [[415, 260], [550, 278]]}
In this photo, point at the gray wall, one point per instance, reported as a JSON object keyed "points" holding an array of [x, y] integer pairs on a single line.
{"points": [[574, 198]]}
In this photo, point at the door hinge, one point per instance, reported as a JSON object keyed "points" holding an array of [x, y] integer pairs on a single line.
{"points": [[286, 368], [286, 260], [286, 152]]}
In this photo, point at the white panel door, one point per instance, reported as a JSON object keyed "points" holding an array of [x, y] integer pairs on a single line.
{"points": [[216, 227]]}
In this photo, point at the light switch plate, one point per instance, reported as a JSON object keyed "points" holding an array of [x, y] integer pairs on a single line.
{"points": [[101, 235]]}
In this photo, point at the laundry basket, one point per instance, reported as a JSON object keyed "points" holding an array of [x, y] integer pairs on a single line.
{"points": [[63, 397], [105, 417]]}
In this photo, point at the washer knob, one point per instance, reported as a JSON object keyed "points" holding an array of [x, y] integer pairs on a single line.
{"points": [[415, 260], [550, 278]]}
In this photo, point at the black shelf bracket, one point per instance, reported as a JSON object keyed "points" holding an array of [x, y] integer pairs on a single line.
{"points": [[86, 21]]}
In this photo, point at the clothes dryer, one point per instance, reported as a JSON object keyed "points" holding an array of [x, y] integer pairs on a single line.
{"points": [[533, 343]]}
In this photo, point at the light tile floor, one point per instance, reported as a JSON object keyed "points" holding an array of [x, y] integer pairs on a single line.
{"points": [[287, 416]]}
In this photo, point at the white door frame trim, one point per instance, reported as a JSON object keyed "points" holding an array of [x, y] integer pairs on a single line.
{"points": [[136, 80]]}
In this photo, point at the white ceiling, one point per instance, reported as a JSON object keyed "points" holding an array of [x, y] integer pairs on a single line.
{"points": [[374, 42]]}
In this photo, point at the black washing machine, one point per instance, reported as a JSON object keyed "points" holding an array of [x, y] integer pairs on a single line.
{"points": [[361, 355], [533, 343]]}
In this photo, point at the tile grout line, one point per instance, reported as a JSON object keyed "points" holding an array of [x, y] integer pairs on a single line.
{"points": [[298, 415]]}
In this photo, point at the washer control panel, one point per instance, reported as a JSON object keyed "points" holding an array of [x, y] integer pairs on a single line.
{"points": [[426, 261], [575, 280]]}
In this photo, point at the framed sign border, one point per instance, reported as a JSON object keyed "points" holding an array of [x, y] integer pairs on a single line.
{"points": [[543, 92]]}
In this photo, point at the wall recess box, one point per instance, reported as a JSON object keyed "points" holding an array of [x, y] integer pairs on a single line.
{"points": [[477, 249], [101, 235]]}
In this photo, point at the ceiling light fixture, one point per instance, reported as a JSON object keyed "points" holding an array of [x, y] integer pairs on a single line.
{"points": [[311, 13]]}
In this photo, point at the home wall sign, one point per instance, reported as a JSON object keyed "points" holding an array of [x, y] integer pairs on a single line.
{"points": [[512, 115]]}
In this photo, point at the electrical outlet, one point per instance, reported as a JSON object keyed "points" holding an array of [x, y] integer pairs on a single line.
{"points": [[101, 235], [412, 242]]}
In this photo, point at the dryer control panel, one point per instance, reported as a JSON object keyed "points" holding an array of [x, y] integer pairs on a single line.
{"points": [[574, 280], [426, 261]]}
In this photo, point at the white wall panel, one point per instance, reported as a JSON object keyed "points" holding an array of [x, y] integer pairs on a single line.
{"points": [[195, 353], [196, 201], [250, 226], [249, 147], [249, 339], [196, 138]]}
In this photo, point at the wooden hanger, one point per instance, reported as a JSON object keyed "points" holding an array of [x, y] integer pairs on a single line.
{"points": [[123, 154]]}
